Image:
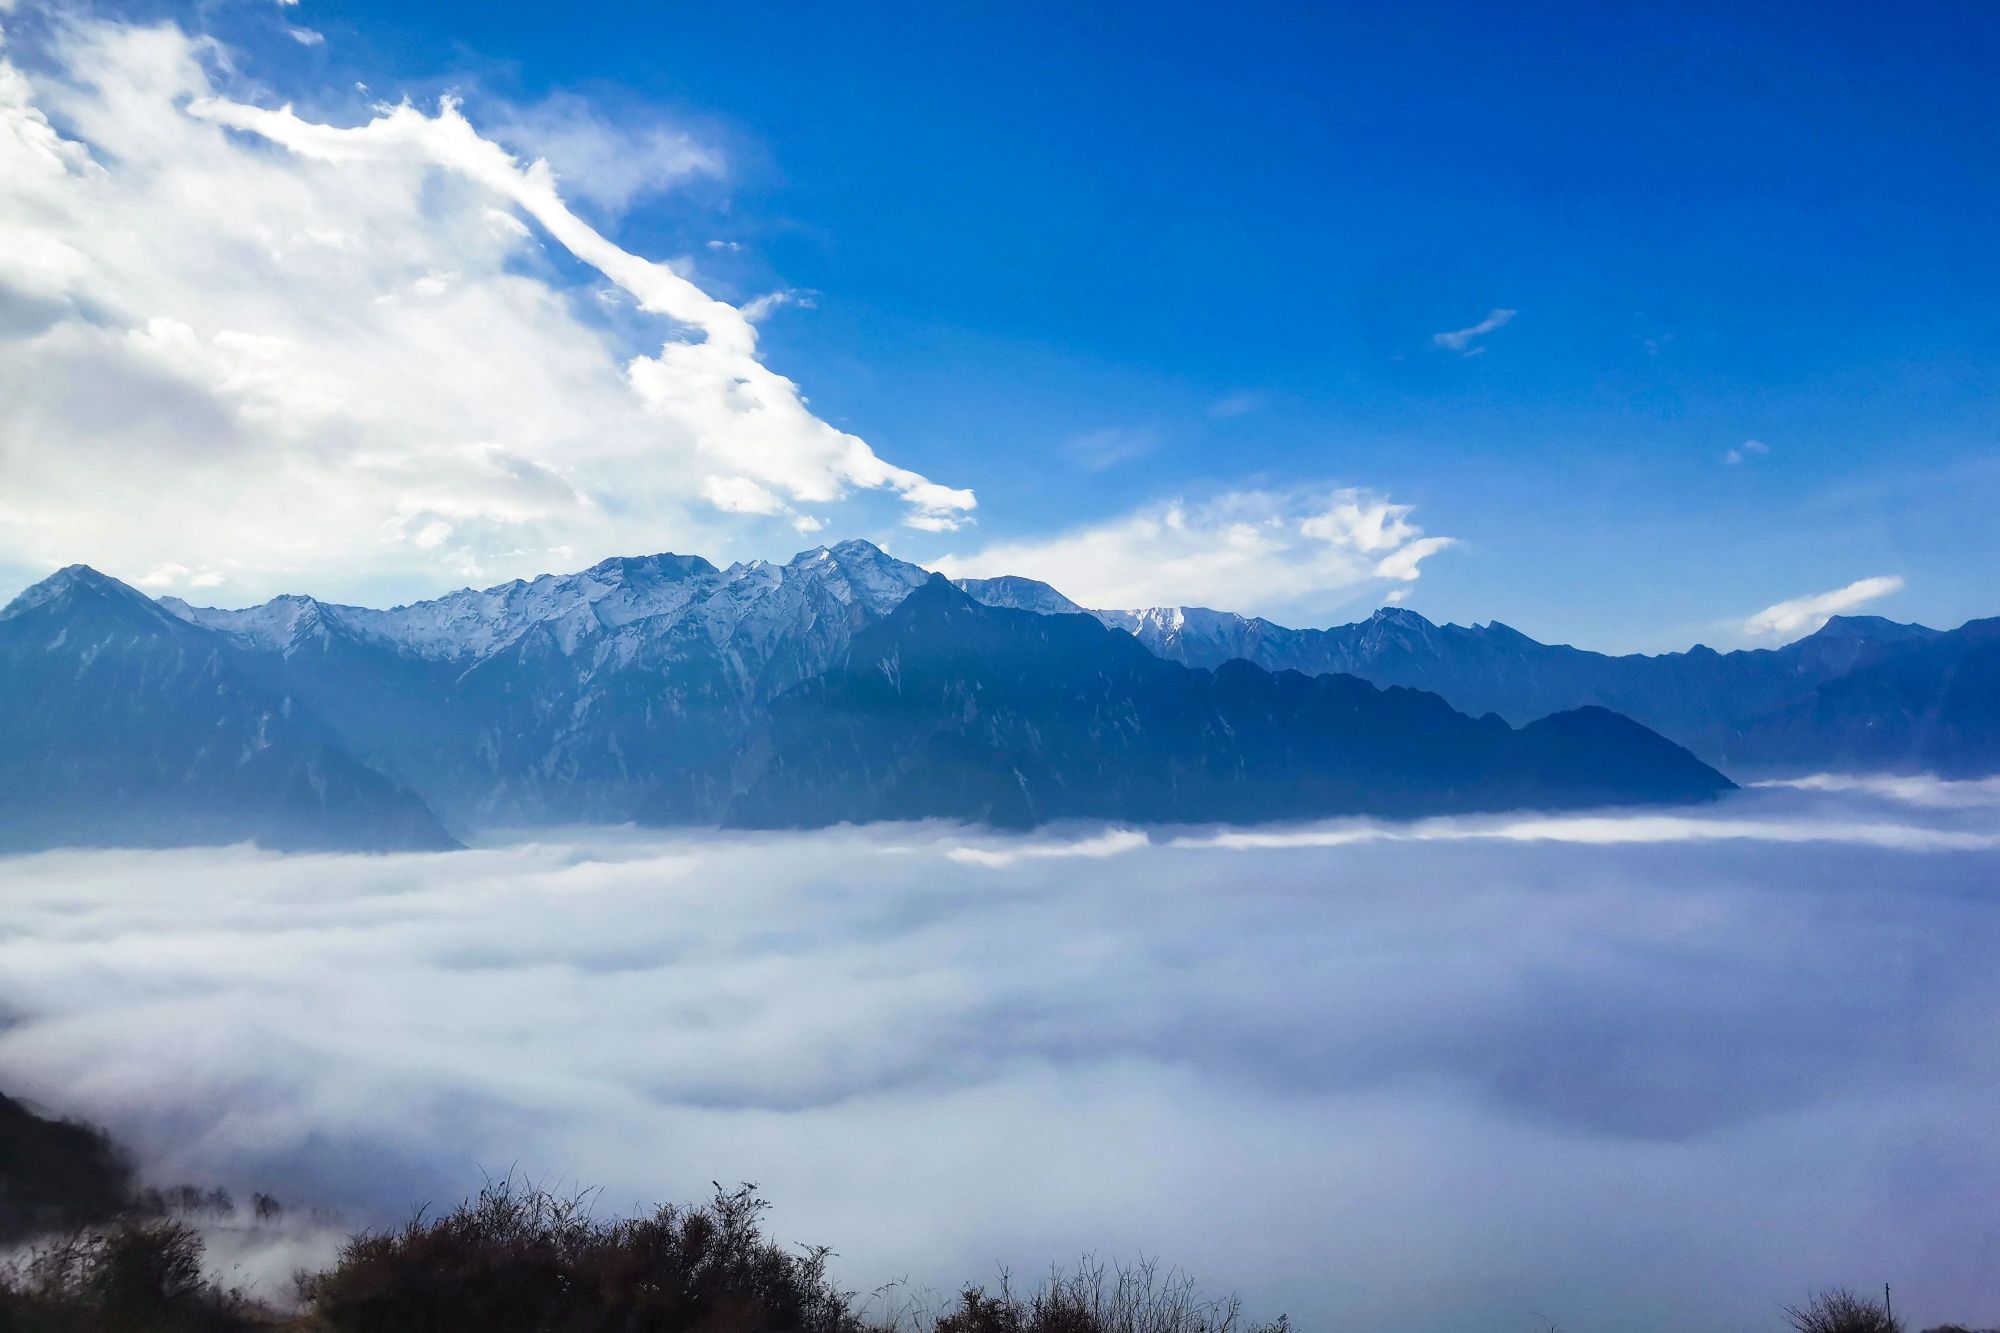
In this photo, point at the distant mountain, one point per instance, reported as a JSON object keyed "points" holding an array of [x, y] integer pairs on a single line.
{"points": [[1926, 700], [666, 689], [1019, 594], [950, 708], [1862, 692], [123, 725], [577, 697]]}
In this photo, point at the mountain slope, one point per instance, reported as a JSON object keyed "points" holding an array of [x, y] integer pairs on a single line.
{"points": [[950, 708], [1750, 711], [123, 725], [625, 688], [1930, 702], [55, 1174]]}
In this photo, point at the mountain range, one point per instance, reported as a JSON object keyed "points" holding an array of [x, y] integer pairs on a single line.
{"points": [[1862, 693], [849, 685]]}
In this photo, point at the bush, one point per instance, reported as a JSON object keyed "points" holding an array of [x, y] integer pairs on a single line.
{"points": [[1838, 1310], [1095, 1298], [522, 1260], [137, 1277]]}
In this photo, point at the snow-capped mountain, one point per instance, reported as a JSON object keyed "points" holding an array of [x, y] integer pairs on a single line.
{"points": [[630, 683], [666, 689], [1018, 594], [1862, 692], [752, 608], [122, 724]]}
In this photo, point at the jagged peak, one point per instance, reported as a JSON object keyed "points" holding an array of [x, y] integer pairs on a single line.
{"points": [[76, 583], [935, 591], [664, 564], [1018, 592], [851, 551], [1871, 627], [1399, 615]]}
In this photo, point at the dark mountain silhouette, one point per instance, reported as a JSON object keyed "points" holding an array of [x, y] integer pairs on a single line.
{"points": [[956, 709], [1929, 701], [1749, 712], [55, 1174]]}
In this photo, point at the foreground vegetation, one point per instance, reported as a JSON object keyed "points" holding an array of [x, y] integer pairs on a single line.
{"points": [[520, 1260], [523, 1260]]}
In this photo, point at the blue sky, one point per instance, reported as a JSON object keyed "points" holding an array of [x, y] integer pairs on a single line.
{"points": [[1085, 264]]}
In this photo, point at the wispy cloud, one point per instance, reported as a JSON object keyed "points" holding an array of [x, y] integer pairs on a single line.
{"points": [[1465, 341], [1100, 450], [1912, 789], [610, 163], [1748, 449], [1269, 552], [1803, 615], [1234, 405]]}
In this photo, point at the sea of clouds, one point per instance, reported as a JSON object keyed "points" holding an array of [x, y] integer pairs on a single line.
{"points": [[1654, 1071]]}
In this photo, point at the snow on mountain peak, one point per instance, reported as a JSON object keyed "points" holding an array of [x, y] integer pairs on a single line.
{"points": [[1020, 594], [76, 582]]}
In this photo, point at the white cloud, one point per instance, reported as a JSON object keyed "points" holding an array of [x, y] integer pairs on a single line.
{"points": [[306, 36], [1261, 552], [756, 311], [1462, 340], [172, 574], [1803, 615], [231, 338], [1439, 1076], [1912, 789], [740, 495], [1748, 449]]}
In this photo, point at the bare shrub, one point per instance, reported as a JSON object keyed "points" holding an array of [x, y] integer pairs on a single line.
{"points": [[523, 1260], [136, 1277], [1838, 1310], [1095, 1297]]}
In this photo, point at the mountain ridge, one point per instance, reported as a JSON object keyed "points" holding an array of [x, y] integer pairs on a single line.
{"points": [[1739, 710], [1005, 716], [645, 686], [642, 687], [122, 723], [1727, 707]]}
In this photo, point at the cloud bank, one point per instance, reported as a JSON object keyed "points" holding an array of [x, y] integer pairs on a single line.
{"points": [[237, 344], [1257, 552], [1441, 1077], [1803, 615]]}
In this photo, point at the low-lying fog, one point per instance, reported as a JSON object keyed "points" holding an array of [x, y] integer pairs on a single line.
{"points": [[1649, 1072]]}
